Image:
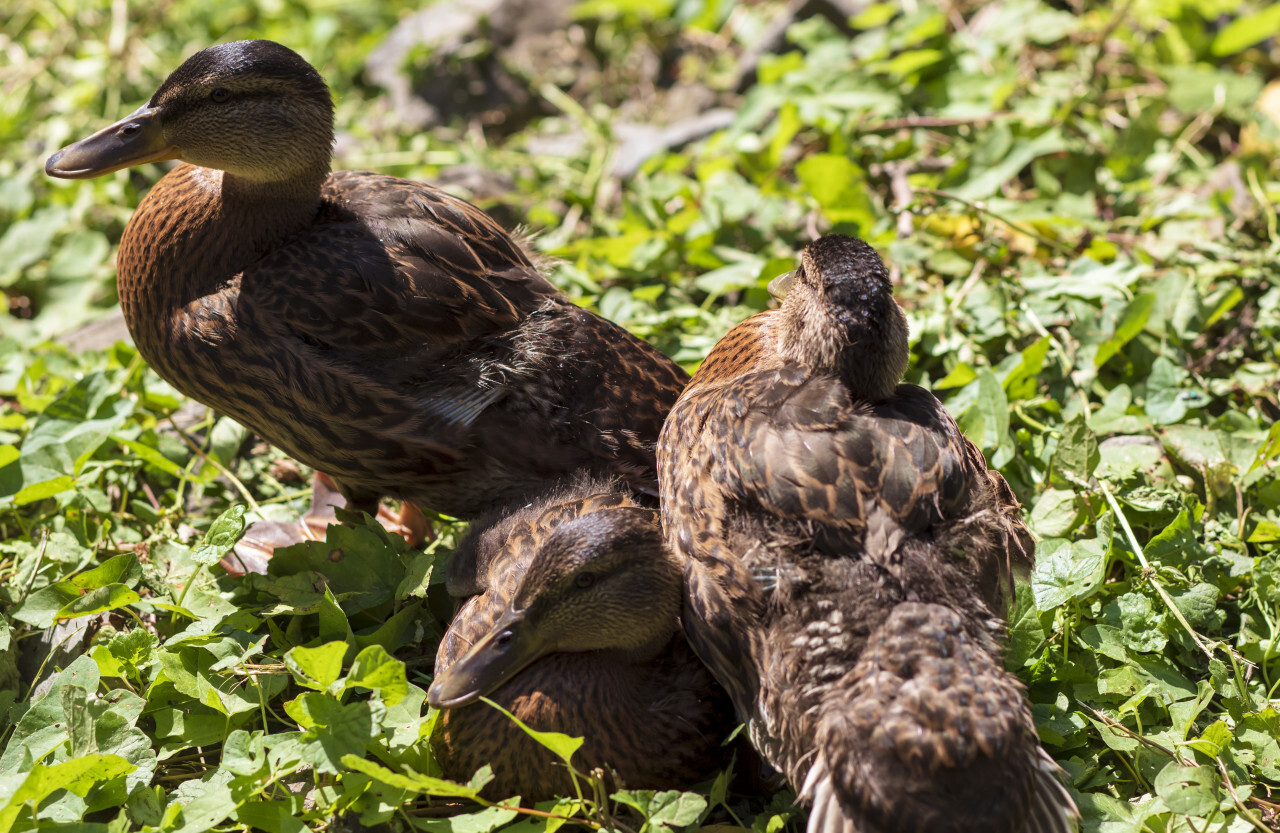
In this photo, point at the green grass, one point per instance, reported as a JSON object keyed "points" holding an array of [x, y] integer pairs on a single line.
{"points": [[1081, 213]]}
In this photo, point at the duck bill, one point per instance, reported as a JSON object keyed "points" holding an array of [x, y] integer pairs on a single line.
{"points": [[781, 285], [134, 140], [505, 650]]}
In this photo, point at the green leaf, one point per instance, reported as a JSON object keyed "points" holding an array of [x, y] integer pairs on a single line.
{"points": [[1215, 737], [82, 252], [1056, 512], [44, 489], [1267, 450], [1199, 605], [1131, 322], [1077, 454], [212, 805], [99, 601], [333, 729], [409, 780], [664, 809], [270, 816], [77, 776], [1165, 404], [1066, 570], [152, 457], [839, 187], [221, 537], [986, 421], [317, 668], [119, 569], [1022, 153], [42, 728], [1188, 790], [374, 668], [1247, 30], [73, 427]]}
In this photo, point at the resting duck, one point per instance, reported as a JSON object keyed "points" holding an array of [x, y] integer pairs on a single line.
{"points": [[375, 328], [575, 630], [848, 558]]}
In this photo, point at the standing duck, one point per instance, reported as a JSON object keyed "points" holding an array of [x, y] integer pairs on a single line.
{"points": [[848, 558], [576, 630], [374, 328]]}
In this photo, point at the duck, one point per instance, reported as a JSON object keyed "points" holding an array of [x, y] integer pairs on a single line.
{"points": [[374, 328], [848, 560], [572, 624]]}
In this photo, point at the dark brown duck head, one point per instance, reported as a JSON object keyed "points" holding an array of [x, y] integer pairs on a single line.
{"points": [[839, 316], [254, 109], [600, 582]]}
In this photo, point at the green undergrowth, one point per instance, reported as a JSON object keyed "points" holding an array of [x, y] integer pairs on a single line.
{"points": [[1079, 206]]}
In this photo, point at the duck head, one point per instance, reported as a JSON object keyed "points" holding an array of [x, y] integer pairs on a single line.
{"points": [[602, 581], [839, 316], [254, 109]]}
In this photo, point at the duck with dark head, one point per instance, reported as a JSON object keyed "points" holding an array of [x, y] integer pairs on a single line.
{"points": [[848, 559], [375, 328]]}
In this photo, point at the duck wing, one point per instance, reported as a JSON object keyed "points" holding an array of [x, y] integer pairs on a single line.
{"points": [[392, 264], [868, 476]]}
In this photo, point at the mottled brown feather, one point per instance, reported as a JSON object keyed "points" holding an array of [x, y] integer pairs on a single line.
{"points": [[848, 556]]}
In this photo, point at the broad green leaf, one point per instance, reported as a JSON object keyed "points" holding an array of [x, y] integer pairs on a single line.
{"points": [[333, 729], [1077, 454], [1023, 152], [221, 537], [119, 569], [410, 780], [664, 809], [72, 427], [152, 457], [77, 776], [1068, 570], [97, 601], [212, 805], [1188, 790], [839, 187], [1247, 30], [82, 252], [374, 668], [1267, 451], [1131, 322], [271, 816], [317, 668], [43, 727], [484, 821]]}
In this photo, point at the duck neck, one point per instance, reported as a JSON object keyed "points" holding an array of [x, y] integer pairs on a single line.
{"points": [[869, 351], [652, 646], [184, 249]]}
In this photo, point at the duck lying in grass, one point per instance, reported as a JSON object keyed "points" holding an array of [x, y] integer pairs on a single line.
{"points": [[374, 328], [575, 629], [848, 557]]}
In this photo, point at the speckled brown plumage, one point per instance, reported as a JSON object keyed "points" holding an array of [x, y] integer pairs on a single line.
{"points": [[848, 556], [372, 327], [610, 662]]}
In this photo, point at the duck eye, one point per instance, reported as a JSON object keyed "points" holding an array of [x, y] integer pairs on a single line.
{"points": [[584, 580], [219, 95]]}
